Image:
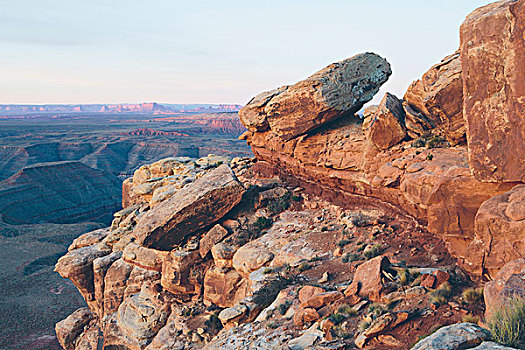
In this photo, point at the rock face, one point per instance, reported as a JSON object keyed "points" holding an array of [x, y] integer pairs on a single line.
{"points": [[386, 126], [193, 208], [492, 56], [500, 230], [507, 284], [455, 337], [339, 89], [436, 100]]}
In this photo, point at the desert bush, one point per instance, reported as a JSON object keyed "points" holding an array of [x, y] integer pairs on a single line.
{"points": [[268, 292], [376, 310], [363, 325], [350, 257], [283, 307], [337, 318], [344, 242], [473, 295], [470, 319], [347, 310], [507, 323], [304, 266], [360, 220], [213, 323], [374, 251], [441, 295]]}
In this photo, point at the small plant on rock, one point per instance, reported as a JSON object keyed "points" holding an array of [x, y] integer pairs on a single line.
{"points": [[363, 325], [271, 288], [337, 318], [283, 307], [350, 257], [507, 324]]}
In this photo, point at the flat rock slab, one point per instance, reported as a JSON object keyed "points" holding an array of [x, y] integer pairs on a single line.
{"points": [[454, 337], [193, 208]]}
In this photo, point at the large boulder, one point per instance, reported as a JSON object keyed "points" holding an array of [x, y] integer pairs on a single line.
{"points": [[492, 56], [339, 89], [500, 231], [386, 126], [437, 100], [193, 208], [455, 337]]}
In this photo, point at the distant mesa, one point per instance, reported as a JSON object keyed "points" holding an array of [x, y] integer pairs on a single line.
{"points": [[148, 107]]}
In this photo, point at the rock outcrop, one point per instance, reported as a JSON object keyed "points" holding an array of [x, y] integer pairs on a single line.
{"points": [[386, 126], [339, 89], [436, 101], [193, 208], [492, 56], [337, 212], [454, 337]]}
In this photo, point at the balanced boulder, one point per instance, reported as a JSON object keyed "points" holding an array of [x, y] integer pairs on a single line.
{"points": [[341, 88]]}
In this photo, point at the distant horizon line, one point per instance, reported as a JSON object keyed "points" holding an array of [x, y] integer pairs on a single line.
{"points": [[119, 103]]}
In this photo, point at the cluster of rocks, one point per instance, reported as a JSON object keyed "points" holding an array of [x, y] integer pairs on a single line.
{"points": [[413, 153], [343, 232]]}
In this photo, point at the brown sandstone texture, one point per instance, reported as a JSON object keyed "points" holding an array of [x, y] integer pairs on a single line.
{"points": [[492, 56], [436, 101], [339, 89]]}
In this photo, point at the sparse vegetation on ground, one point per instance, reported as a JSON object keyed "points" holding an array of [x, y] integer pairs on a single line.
{"points": [[507, 323]]}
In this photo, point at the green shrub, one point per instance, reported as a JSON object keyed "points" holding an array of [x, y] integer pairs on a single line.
{"points": [[470, 319], [473, 295], [361, 220], [344, 242], [437, 141], [347, 310], [507, 323], [374, 251], [280, 204], [267, 270], [430, 156], [304, 266], [263, 222], [213, 323], [350, 257], [337, 318], [376, 310], [296, 198], [283, 307], [363, 325], [441, 295], [268, 292]]}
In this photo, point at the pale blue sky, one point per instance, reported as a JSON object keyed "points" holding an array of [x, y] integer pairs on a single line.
{"points": [[72, 51]]}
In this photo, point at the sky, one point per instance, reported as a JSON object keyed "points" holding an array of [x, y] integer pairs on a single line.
{"points": [[209, 51]]}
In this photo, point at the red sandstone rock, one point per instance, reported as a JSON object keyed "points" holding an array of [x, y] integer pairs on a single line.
{"points": [[492, 56], [212, 237], [319, 300], [339, 89], [176, 271], [69, 329], [304, 316], [428, 281], [386, 127], [499, 231], [438, 98], [223, 287], [508, 283], [368, 279], [307, 292], [192, 208]]}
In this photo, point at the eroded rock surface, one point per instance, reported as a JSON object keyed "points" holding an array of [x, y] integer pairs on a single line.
{"points": [[339, 89], [492, 56]]}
